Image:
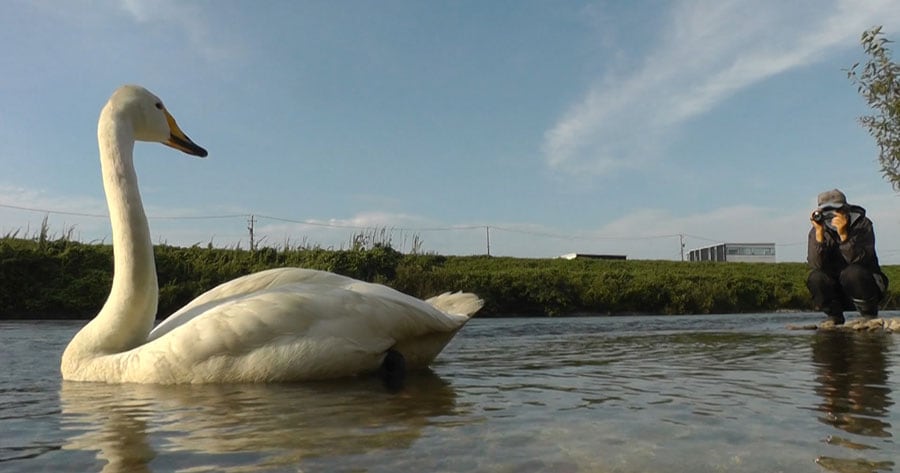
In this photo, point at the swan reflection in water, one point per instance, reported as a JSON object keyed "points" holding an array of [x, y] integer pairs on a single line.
{"points": [[852, 380], [175, 427]]}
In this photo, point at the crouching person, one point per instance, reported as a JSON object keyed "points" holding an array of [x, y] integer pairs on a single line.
{"points": [[841, 254]]}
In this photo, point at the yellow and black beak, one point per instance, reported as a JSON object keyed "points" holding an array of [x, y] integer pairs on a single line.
{"points": [[180, 141]]}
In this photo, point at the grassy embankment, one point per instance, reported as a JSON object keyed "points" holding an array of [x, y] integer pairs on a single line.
{"points": [[63, 278]]}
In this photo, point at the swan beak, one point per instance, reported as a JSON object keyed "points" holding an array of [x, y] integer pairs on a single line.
{"points": [[180, 141]]}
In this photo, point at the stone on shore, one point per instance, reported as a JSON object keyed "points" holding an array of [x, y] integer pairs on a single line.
{"points": [[859, 325]]}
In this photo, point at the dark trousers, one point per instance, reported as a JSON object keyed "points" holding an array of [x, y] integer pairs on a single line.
{"points": [[854, 286]]}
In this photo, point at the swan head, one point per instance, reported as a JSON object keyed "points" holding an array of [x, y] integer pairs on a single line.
{"points": [[150, 119]]}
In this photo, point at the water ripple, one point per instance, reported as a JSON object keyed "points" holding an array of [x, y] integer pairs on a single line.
{"points": [[721, 393]]}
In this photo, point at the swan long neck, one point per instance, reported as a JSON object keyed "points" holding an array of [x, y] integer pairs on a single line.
{"points": [[129, 312]]}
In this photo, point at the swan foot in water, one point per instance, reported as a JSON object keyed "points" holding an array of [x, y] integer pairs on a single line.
{"points": [[393, 370]]}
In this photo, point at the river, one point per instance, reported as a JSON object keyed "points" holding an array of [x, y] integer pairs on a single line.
{"points": [[601, 394]]}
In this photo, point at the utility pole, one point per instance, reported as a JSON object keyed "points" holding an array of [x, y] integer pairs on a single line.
{"points": [[250, 223], [487, 231], [681, 241]]}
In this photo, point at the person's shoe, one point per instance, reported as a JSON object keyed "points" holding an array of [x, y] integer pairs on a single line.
{"points": [[837, 319], [868, 309]]}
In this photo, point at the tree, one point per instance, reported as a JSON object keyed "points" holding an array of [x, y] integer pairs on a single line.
{"points": [[878, 81]]}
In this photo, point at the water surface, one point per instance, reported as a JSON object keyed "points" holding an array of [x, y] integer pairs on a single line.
{"points": [[611, 394]]}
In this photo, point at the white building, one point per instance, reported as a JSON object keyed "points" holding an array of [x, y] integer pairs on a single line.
{"points": [[590, 256], [736, 252]]}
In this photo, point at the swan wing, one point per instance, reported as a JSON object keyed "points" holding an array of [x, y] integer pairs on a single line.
{"points": [[293, 324], [242, 287]]}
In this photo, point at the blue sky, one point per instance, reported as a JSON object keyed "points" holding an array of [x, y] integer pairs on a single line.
{"points": [[602, 127]]}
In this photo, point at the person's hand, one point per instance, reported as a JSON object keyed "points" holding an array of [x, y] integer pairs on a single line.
{"points": [[812, 219], [839, 222], [820, 229]]}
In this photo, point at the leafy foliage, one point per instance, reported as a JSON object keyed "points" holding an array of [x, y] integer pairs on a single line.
{"points": [[63, 278], [879, 82]]}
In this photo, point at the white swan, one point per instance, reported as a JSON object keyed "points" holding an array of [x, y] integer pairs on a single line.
{"points": [[277, 325]]}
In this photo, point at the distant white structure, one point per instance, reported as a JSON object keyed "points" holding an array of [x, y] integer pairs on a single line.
{"points": [[590, 256], [736, 252]]}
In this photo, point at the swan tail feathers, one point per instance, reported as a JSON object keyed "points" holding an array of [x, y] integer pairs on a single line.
{"points": [[457, 303]]}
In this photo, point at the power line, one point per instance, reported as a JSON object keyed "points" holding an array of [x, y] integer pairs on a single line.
{"points": [[256, 217], [157, 217], [197, 217], [362, 227], [580, 237], [54, 212]]}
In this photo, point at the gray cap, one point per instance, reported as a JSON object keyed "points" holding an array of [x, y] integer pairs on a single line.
{"points": [[833, 199]]}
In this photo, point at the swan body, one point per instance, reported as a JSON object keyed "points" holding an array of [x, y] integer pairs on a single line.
{"points": [[286, 324]]}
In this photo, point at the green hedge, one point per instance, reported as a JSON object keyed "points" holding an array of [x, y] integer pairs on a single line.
{"points": [[71, 280]]}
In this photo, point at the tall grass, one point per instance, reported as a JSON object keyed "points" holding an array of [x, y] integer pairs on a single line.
{"points": [[43, 276]]}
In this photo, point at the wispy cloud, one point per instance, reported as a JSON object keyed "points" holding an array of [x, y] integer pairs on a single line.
{"points": [[708, 51], [22, 210], [402, 231], [628, 235], [188, 17]]}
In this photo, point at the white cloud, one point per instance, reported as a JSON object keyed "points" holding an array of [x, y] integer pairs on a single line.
{"points": [[657, 234], [400, 230], [22, 210], [187, 17], [641, 234], [708, 51]]}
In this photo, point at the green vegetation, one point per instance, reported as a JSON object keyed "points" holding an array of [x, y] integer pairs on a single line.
{"points": [[878, 81], [63, 278]]}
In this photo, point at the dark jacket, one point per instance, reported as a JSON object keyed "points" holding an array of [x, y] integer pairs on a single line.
{"points": [[832, 256]]}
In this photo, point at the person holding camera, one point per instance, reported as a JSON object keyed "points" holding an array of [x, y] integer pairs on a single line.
{"points": [[841, 254]]}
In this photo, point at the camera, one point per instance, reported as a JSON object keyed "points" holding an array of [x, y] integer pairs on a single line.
{"points": [[822, 216]]}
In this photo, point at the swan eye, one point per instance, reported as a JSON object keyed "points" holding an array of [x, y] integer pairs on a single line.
{"points": [[159, 105]]}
